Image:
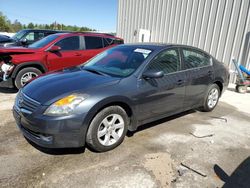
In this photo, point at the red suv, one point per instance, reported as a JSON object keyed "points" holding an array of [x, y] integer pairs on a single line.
{"points": [[57, 51]]}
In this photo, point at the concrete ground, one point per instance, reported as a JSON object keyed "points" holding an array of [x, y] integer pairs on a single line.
{"points": [[215, 145]]}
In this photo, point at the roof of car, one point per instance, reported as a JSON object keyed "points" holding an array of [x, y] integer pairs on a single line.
{"points": [[87, 33], [151, 46], [45, 30], [154, 46]]}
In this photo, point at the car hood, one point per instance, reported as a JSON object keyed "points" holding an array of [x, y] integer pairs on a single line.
{"points": [[6, 40], [51, 87], [16, 50]]}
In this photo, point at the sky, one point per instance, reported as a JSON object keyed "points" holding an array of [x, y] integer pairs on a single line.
{"points": [[96, 14]]}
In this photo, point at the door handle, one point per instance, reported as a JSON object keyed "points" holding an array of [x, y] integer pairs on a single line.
{"points": [[210, 73], [180, 82]]}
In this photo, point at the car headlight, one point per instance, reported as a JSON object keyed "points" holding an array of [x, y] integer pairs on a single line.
{"points": [[6, 67], [66, 105]]}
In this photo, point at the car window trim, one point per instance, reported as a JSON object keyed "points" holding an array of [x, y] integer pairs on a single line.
{"points": [[82, 42], [196, 51], [65, 38], [103, 46], [96, 37], [181, 70], [165, 49]]}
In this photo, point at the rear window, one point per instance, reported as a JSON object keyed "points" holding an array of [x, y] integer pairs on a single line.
{"points": [[93, 42], [194, 59], [111, 41]]}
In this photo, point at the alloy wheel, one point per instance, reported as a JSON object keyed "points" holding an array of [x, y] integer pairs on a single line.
{"points": [[213, 97], [27, 76], [110, 129]]}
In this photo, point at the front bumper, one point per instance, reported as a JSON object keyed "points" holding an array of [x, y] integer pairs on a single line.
{"points": [[52, 132]]}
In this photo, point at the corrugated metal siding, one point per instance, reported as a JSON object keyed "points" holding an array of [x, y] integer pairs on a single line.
{"points": [[220, 27]]}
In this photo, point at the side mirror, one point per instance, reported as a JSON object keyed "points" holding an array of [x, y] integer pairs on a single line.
{"points": [[55, 49], [24, 41], [153, 74]]}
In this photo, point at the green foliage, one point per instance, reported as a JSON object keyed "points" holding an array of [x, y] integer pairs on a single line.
{"points": [[16, 26], [7, 26], [30, 26]]}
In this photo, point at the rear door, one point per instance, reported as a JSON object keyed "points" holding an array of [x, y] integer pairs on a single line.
{"points": [[69, 55], [162, 96], [199, 74]]}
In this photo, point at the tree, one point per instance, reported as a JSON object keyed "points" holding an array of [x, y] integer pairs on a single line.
{"points": [[51, 26], [16, 26], [30, 26], [5, 24], [46, 26]]}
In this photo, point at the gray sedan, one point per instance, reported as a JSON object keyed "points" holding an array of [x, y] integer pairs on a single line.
{"points": [[118, 90]]}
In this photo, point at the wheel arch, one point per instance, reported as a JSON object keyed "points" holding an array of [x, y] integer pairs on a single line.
{"points": [[219, 82], [121, 101], [21, 66]]}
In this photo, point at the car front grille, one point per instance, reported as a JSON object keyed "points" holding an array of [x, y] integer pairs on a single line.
{"points": [[25, 103]]}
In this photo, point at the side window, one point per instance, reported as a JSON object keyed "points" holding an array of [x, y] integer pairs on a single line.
{"points": [[108, 42], [194, 59], [118, 41], [166, 61], [93, 42], [30, 36], [70, 43], [111, 41], [38, 36], [41, 35]]}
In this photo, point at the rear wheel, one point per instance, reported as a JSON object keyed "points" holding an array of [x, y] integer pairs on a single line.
{"points": [[241, 89], [108, 129], [25, 75], [211, 98]]}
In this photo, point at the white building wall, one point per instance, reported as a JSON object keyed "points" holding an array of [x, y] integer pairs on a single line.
{"points": [[220, 27]]}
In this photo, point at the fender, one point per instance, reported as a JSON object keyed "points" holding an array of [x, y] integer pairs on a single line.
{"points": [[28, 64], [107, 102], [218, 79]]}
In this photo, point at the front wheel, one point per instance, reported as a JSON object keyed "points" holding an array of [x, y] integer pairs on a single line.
{"points": [[25, 75], [108, 129], [211, 99]]}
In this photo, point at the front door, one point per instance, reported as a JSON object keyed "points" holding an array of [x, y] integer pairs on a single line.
{"points": [[69, 55], [162, 96]]}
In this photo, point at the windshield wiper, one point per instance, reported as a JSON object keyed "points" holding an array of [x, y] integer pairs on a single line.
{"points": [[94, 71]]}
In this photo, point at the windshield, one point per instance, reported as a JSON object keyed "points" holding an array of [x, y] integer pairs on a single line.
{"points": [[120, 61], [43, 42], [19, 35]]}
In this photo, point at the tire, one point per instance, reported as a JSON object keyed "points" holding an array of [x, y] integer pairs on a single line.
{"points": [[241, 89], [24, 75], [211, 98], [102, 125]]}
